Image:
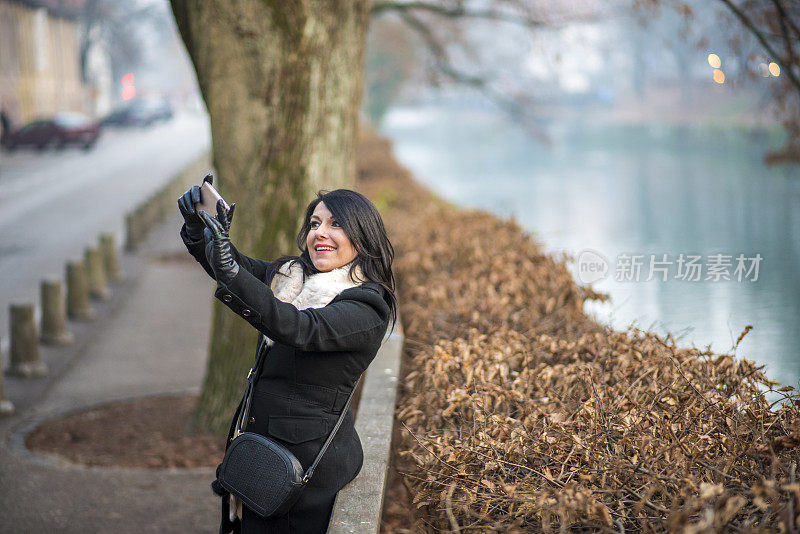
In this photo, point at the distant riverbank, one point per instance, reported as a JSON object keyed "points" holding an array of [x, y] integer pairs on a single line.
{"points": [[710, 104]]}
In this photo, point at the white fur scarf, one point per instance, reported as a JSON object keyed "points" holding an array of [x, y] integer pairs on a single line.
{"points": [[316, 291]]}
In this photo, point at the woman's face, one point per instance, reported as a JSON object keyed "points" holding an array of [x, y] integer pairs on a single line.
{"points": [[327, 243]]}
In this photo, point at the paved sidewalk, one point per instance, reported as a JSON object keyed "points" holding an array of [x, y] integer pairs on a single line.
{"points": [[150, 339]]}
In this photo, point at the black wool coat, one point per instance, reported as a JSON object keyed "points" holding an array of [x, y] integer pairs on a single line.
{"points": [[308, 373]]}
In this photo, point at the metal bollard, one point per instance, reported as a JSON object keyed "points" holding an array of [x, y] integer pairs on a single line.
{"points": [[96, 273], [110, 258], [25, 360], [78, 306], [6, 407], [54, 317]]}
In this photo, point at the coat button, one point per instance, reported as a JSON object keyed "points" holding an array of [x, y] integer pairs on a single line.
{"points": [[227, 298], [246, 312], [252, 419]]}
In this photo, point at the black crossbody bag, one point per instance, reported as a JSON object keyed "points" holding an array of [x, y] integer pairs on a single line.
{"points": [[261, 472]]}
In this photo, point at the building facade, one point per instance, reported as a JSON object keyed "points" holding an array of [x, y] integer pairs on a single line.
{"points": [[40, 70]]}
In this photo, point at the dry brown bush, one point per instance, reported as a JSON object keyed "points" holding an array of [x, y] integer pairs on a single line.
{"points": [[518, 413]]}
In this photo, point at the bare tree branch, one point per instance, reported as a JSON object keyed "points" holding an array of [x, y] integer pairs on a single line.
{"points": [[786, 19], [792, 60], [750, 25], [455, 12], [443, 65], [459, 12]]}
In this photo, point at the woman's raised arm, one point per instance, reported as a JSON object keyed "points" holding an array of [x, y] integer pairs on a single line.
{"points": [[349, 322], [355, 318], [197, 248]]}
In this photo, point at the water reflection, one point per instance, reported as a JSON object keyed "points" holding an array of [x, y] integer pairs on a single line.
{"points": [[637, 190]]}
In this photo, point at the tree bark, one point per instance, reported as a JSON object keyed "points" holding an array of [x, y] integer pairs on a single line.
{"points": [[282, 83]]}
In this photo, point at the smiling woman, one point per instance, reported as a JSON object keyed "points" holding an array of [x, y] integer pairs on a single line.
{"points": [[322, 316], [331, 246]]}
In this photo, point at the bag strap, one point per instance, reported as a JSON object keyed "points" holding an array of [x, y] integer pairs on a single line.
{"points": [[247, 399], [313, 466], [253, 375]]}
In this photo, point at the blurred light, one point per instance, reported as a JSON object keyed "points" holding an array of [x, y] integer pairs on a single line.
{"points": [[763, 69], [714, 61], [719, 76], [127, 80], [128, 93], [774, 69]]}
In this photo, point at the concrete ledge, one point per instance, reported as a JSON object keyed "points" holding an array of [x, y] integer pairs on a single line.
{"points": [[359, 505]]}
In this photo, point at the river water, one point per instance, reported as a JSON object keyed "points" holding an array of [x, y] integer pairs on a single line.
{"points": [[692, 209]]}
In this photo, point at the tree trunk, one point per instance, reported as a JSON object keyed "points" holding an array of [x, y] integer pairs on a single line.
{"points": [[282, 82]]}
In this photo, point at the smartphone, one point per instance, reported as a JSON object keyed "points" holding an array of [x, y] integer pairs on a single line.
{"points": [[208, 199]]}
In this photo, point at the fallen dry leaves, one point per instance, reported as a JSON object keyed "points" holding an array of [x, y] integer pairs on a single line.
{"points": [[518, 413]]}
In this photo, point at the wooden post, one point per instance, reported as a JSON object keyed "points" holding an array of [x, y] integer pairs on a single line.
{"points": [[98, 289], [110, 257], [6, 407], [78, 306], [25, 361], [54, 316]]}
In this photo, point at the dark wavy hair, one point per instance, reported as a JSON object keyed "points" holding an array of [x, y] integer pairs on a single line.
{"points": [[363, 226]]}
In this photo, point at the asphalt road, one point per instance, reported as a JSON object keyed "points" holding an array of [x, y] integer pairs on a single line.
{"points": [[53, 204]]}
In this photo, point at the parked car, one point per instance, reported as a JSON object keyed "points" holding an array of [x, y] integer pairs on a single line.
{"points": [[139, 113], [161, 110], [129, 115], [63, 129]]}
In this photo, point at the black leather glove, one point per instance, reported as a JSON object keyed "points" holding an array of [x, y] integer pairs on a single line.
{"points": [[218, 243], [194, 224]]}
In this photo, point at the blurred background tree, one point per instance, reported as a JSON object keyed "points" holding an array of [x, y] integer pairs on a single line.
{"points": [[122, 27], [755, 32], [775, 25], [391, 62], [454, 43], [121, 37], [772, 27]]}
